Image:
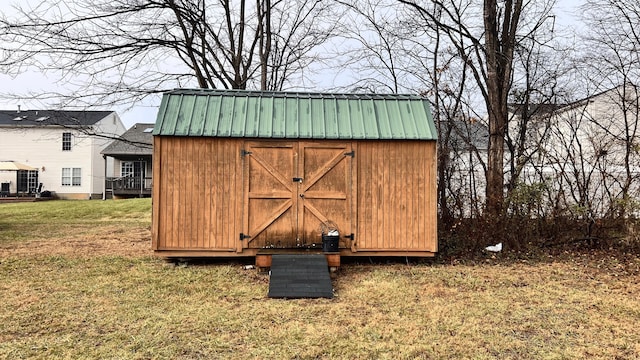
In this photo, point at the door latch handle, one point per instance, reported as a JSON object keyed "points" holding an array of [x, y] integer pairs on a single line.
{"points": [[297, 179], [302, 196]]}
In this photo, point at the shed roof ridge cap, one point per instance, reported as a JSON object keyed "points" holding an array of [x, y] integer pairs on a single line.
{"points": [[296, 94]]}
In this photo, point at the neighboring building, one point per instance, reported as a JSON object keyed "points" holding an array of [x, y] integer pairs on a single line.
{"points": [[464, 143], [62, 146], [132, 163], [586, 152], [592, 129], [582, 157]]}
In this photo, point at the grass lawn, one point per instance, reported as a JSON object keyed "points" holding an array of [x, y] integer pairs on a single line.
{"points": [[78, 280]]}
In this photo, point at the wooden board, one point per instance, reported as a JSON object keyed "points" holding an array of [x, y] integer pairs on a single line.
{"points": [[396, 203], [195, 194], [206, 193], [270, 194], [325, 193], [290, 188]]}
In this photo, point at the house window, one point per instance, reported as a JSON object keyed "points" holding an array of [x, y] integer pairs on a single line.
{"points": [[71, 176], [66, 176], [76, 178], [27, 181], [126, 169], [66, 141]]}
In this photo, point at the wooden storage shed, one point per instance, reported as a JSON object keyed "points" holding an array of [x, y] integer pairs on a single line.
{"points": [[237, 173]]}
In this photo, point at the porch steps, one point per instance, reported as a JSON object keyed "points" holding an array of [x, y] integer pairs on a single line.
{"points": [[296, 276]]}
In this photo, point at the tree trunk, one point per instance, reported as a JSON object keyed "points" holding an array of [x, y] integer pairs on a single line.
{"points": [[499, 43]]}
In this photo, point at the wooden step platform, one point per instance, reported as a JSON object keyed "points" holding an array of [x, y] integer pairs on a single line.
{"points": [[264, 256], [296, 276]]}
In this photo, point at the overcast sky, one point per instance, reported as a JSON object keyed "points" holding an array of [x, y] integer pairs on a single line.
{"points": [[34, 81]]}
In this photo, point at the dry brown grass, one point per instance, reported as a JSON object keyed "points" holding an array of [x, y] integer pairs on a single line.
{"points": [[99, 293]]}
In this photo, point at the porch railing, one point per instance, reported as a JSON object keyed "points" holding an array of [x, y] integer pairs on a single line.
{"points": [[129, 183]]}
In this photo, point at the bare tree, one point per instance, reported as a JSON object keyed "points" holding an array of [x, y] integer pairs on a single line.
{"points": [[393, 50], [488, 48], [372, 50], [542, 64], [112, 51], [613, 62]]}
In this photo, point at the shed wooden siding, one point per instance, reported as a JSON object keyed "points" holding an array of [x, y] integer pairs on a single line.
{"points": [[198, 197], [396, 204]]}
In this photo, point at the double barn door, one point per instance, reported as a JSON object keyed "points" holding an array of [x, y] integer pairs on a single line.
{"points": [[291, 188]]}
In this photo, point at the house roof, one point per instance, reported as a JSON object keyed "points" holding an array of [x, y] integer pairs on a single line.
{"points": [[20, 118], [257, 114], [534, 109], [627, 89], [468, 135], [616, 93], [138, 140]]}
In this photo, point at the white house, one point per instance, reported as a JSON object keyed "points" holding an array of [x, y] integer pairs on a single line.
{"points": [[63, 148], [582, 157], [588, 153], [466, 142]]}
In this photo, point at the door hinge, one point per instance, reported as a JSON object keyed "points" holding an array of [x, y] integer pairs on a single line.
{"points": [[243, 236], [244, 152], [351, 236], [350, 153]]}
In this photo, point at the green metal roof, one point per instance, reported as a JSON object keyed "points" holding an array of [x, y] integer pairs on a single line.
{"points": [[293, 115]]}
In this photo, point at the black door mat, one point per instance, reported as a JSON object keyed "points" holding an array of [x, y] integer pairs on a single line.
{"points": [[300, 276]]}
